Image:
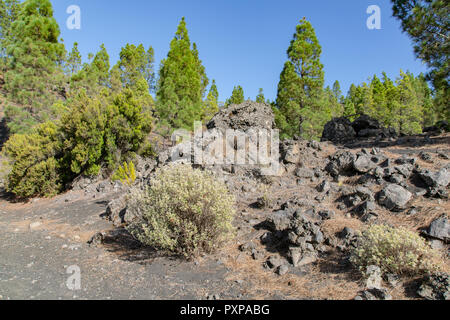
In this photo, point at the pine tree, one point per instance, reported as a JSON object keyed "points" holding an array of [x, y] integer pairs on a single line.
{"points": [[431, 113], [136, 63], [201, 68], [211, 106], [428, 25], [391, 96], [34, 58], [100, 67], [260, 97], [237, 96], [93, 76], [360, 97], [408, 115], [73, 61], [300, 90], [378, 103], [349, 109], [331, 104], [337, 92], [182, 83], [440, 101], [9, 10]]}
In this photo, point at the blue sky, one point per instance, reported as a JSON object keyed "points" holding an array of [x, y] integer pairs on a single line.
{"points": [[245, 41]]}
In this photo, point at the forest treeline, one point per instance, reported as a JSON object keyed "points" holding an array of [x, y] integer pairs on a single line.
{"points": [[68, 118]]}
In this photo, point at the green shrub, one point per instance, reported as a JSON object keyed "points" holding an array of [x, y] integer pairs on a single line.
{"points": [[184, 211], [394, 250], [35, 170], [92, 133], [126, 174]]}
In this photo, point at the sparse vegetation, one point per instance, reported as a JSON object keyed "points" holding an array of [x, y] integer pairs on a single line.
{"points": [[185, 211], [73, 122]]}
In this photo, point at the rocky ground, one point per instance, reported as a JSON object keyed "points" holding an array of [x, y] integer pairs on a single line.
{"points": [[294, 231]]}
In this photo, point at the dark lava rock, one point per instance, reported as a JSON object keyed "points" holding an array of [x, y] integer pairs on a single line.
{"points": [[341, 163], [374, 294], [435, 179], [341, 130], [394, 197], [338, 130], [439, 229], [435, 287], [244, 116]]}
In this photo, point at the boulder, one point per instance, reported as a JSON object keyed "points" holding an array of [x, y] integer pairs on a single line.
{"points": [[282, 270], [116, 211], [373, 277], [394, 197], [374, 294], [440, 126], [324, 186], [304, 173], [280, 220], [341, 130], [290, 151], [338, 130], [425, 156], [439, 229], [365, 193], [364, 164], [405, 169], [144, 166], [365, 122], [274, 262], [244, 116], [365, 207], [435, 179], [340, 163], [327, 214]]}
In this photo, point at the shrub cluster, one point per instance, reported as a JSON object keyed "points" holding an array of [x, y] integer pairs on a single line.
{"points": [[185, 211], [394, 250], [92, 132]]}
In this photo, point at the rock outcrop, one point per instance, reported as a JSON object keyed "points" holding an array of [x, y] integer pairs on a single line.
{"points": [[245, 116], [341, 130]]}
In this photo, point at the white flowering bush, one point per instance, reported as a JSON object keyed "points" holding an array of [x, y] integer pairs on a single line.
{"points": [[394, 250], [185, 211]]}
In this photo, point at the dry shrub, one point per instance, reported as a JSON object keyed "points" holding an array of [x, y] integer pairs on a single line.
{"points": [[185, 211], [394, 250]]}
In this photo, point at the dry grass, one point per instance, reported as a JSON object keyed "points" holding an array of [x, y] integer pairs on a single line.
{"points": [[339, 222], [317, 284]]}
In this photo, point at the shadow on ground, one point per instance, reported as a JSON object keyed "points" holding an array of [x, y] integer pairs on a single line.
{"points": [[120, 242]]}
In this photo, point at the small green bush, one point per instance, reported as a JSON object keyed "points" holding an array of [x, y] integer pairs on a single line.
{"points": [[34, 168], [184, 211], [126, 174], [394, 250]]}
